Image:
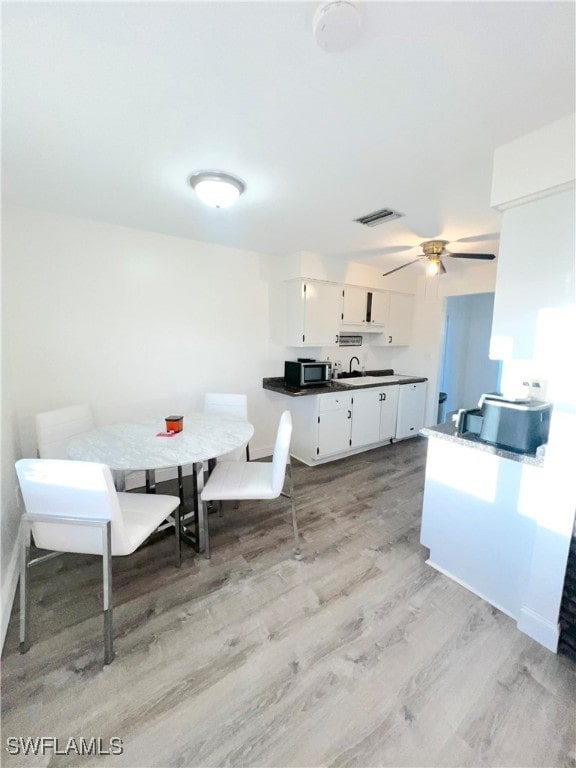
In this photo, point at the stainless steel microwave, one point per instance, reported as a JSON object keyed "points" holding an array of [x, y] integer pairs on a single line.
{"points": [[312, 373]]}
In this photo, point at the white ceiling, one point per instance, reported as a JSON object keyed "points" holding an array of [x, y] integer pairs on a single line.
{"points": [[109, 107]]}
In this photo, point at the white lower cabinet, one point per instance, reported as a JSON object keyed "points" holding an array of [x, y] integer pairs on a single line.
{"points": [[411, 408], [337, 424], [374, 415], [334, 424]]}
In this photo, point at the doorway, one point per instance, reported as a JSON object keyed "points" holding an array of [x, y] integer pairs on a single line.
{"points": [[467, 371]]}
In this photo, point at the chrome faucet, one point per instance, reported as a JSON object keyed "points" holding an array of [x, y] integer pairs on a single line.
{"points": [[353, 358]]}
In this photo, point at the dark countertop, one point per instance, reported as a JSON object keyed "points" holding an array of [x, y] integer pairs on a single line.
{"points": [[276, 384], [447, 431]]}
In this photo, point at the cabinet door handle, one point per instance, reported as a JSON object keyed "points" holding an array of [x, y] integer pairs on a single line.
{"points": [[383, 395], [349, 414], [389, 339], [337, 337]]}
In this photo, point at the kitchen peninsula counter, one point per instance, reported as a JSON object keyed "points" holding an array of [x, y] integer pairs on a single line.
{"points": [[448, 432], [480, 515]]}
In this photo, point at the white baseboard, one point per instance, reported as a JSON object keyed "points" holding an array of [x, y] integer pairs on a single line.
{"points": [[9, 585], [469, 588], [530, 623], [543, 631]]}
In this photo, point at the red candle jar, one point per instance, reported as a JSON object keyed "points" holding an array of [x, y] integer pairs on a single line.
{"points": [[174, 423]]}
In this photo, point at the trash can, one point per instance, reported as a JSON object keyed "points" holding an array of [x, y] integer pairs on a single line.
{"points": [[442, 396]]}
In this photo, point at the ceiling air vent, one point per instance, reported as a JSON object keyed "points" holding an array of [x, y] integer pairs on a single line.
{"points": [[379, 217]]}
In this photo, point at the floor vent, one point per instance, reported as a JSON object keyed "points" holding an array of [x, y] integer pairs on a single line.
{"points": [[379, 217]]}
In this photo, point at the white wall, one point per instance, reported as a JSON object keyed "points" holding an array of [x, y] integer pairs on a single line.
{"points": [[134, 323], [9, 493], [537, 162]]}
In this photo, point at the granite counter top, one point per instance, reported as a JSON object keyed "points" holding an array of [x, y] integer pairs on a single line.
{"points": [[447, 431], [276, 384]]}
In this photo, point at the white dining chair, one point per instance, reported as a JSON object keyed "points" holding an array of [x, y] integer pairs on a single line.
{"points": [[232, 405], [55, 428], [234, 480], [72, 506]]}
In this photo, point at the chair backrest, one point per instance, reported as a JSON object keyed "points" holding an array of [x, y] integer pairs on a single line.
{"points": [[55, 428], [281, 451], [82, 489], [233, 405], [228, 405]]}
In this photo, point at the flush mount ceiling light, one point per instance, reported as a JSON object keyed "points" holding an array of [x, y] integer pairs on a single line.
{"points": [[216, 188], [336, 25]]}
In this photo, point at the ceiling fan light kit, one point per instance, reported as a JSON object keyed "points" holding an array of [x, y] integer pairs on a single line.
{"points": [[216, 188], [433, 250]]}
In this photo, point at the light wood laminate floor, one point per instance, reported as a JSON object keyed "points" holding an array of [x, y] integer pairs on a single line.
{"points": [[359, 655]]}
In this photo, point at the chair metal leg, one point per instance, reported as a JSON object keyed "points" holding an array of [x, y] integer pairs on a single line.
{"points": [[181, 486], [297, 552], [150, 481], [119, 480], [178, 531], [25, 588], [203, 534], [107, 585]]}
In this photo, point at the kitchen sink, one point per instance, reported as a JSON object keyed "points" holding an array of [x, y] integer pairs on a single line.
{"points": [[363, 381]]}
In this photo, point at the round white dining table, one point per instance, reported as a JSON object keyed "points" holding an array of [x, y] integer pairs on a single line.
{"points": [[142, 446]]}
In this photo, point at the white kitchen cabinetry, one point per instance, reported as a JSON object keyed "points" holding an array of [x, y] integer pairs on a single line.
{"points": [[354, 302], [411, 407], [318, 311], [322, 425], [398, 323], [362, 308], [334, 424], [380, 307], [374, 414], [314, 311], [338, 424]]}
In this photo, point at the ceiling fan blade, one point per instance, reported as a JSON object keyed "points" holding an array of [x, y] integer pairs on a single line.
{"points": [[442, 268], [403, 266], [478, 238], [482, 256]]}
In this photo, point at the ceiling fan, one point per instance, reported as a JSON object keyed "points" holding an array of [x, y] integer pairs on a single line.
{"points": [[433, 250]]}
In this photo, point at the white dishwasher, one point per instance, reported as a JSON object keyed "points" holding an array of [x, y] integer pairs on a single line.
{"points": [[411, 408]]}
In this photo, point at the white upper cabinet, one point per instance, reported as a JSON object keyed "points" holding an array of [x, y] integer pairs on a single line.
{"points": [[354, 305], [314, 312], [380, 308], [364, 308], [398, 324], [319, 311]]}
